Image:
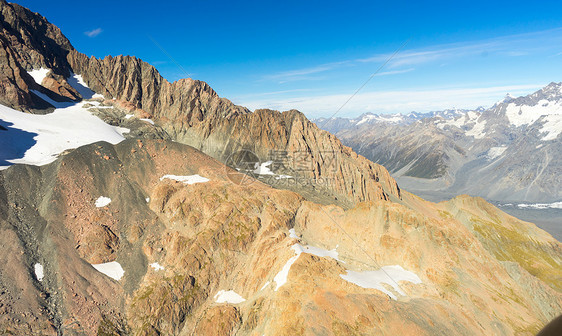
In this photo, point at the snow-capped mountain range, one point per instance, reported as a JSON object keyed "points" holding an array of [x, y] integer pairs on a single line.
{"points": [[509, 152]]}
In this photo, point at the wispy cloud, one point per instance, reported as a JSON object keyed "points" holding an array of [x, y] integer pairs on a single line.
{"points": [[304, 73], [511, 46], [93, 33], [402, 101], [394, 72]]}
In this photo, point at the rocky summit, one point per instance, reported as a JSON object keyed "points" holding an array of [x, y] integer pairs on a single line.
{"points": [[130, 205]]}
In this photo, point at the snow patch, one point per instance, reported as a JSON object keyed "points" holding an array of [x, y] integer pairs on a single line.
{"points": [[494, 152], [317, 251], [39, 74], [392, 118], [552, 127], [389, 275], [68, 127], [478, 130], [122, 130], [265, 286], [39, 274], [555, 205], [228, 297], [55, 104], [293, 234], [102, 201], [191, 179], [157, 266], [78, 83], [150, 121], [526, 115], [112, 269], [129, 116], [263, 169], [281, 277]]}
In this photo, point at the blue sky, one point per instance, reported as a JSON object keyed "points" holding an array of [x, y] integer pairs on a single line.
{"points": [[313, 55]]}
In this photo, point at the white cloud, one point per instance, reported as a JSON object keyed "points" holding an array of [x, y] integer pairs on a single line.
{"points": [[394, 72], [402, 101], [304, 73], [93, 33], [509, 45]]}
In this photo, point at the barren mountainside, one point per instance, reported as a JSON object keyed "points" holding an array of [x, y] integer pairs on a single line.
{"points": [[132, 216]]}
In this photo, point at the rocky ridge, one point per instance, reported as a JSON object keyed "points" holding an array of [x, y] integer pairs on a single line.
{"points": [[188, 110]]}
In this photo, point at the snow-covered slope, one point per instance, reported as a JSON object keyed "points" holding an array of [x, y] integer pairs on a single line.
{"points": [[39, 139]]}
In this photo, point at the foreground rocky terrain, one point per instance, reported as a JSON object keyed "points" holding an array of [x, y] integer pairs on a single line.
{"points": [[148, 232], [471, 269], [510, 152]]}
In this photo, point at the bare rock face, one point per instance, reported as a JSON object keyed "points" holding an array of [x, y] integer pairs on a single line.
{"points": [[188, 110], [28, 41], [192, 113]]}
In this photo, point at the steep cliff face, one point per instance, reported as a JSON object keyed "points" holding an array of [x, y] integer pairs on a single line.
{"points": [[192, 113], [29, 42], [188, 110]]}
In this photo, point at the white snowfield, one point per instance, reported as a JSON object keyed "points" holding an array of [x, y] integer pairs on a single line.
{"points": [[39, 274], [190, 179], [281, 277], [77, 82], [390, 275], [552, 127], [112, 269], [228, 297], [263, 169], [478, 131], [494, 152], [102, 201], [393, 118], [39, 74], [526, 115], [52, 134], [293, 234], [38, 139], [555, 205]]}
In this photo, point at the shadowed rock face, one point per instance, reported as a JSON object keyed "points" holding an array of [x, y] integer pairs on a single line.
{"points": [[28, 41]]}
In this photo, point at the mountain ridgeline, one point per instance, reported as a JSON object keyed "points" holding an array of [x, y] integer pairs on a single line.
{"points": [[146, 231], [188, 110], [511, 152]]}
